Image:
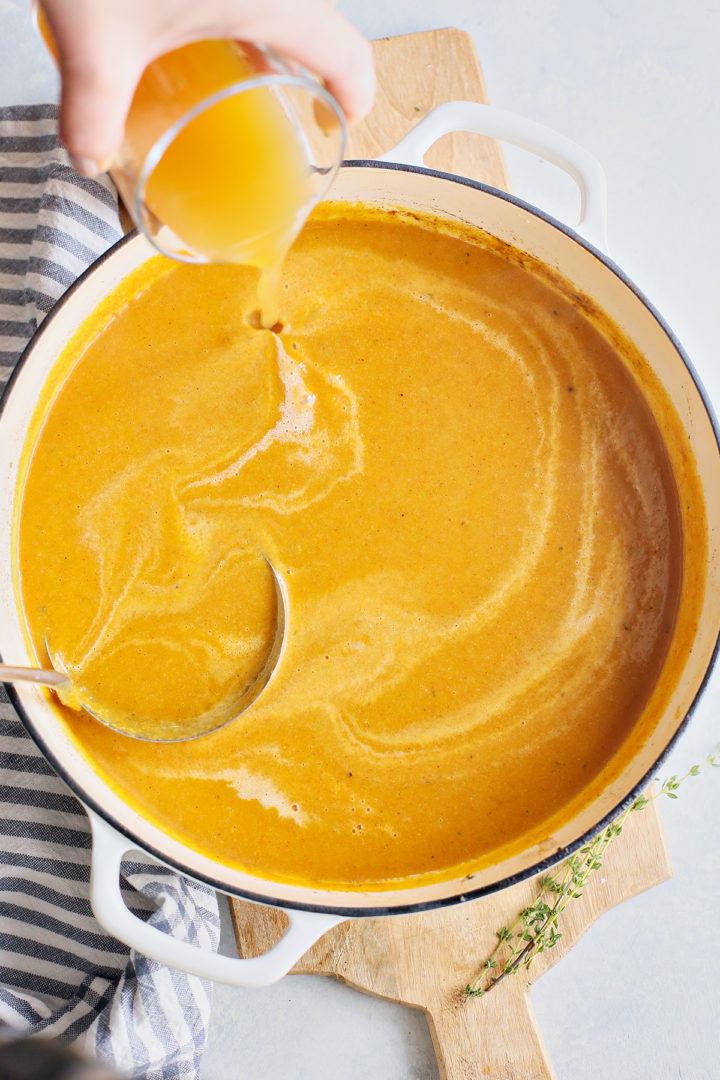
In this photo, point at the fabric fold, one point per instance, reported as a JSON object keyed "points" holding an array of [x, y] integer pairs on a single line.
{"points": [[60, 973]]}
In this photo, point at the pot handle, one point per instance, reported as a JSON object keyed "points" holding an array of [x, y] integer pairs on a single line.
{"points": [[114, 916], [581, 165]]}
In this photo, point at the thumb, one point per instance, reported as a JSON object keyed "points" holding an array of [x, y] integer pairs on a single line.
{"points": [[99, 79]]}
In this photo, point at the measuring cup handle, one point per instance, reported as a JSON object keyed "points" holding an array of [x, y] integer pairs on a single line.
{"points": [[114, 916], [582, 166]]}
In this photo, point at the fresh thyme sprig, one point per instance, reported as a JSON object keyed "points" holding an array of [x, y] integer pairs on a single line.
{"points": [[537, 927]]}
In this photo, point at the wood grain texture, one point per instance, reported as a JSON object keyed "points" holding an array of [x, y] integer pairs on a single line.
{"points": [[425, 960], [415, 73]]}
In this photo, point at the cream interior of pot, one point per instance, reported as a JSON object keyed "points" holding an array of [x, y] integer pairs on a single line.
{"points": [[592, 279]]}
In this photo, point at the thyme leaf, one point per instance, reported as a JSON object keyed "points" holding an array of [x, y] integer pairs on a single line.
{"points": [[536, 927]]}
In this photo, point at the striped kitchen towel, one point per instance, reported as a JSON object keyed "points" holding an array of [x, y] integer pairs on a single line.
{"points": [[60, 973]]}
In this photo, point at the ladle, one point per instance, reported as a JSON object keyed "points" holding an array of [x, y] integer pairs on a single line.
{"points": [[152, 730]]}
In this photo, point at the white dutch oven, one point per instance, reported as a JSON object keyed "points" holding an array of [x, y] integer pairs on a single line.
{"points": [[397, 179]]}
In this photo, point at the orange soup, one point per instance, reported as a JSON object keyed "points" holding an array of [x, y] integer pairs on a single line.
{"points": [[234, 184], [452, 463]]}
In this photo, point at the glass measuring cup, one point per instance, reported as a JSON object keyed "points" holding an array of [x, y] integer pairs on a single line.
{"points": [[227, 148]]}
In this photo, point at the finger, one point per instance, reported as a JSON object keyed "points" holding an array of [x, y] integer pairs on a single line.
{"points": [[93, 108], [324, 41], [100, 67]]}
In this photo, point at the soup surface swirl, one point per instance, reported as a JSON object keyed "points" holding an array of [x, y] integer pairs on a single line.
{"points": [[453, 469]]}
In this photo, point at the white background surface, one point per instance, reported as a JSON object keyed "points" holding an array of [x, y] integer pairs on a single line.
{"points": [[638, 84]]}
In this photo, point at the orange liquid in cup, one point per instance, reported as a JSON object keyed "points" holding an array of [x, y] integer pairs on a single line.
{"points": [[234, 183]]}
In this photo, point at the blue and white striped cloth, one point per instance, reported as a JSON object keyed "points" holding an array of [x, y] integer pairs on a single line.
{"points": [[60, 973]]}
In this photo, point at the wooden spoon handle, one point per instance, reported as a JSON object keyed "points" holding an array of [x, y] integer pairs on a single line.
{"points": [[46, 676], [495, 1037]]}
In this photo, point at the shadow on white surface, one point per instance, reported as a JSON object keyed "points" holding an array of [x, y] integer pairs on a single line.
{"points": [[306, 1027]]}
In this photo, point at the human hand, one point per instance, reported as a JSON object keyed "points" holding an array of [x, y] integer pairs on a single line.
{"points": [[103, 47]]}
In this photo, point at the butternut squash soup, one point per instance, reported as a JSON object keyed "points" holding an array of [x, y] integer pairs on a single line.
{"points": [[451, 462]]}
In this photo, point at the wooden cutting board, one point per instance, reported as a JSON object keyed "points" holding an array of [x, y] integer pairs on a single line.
{"points": [[425, 960]]}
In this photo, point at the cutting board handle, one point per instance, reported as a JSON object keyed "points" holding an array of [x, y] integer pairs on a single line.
{"points": [[114, 916], [581, 165], [495, 1037]]}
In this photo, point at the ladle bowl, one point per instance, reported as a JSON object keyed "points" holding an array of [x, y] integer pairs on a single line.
{"points": [[148, 729]]}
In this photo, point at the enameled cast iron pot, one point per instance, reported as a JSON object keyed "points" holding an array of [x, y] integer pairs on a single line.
{"points": [[398, 179]]}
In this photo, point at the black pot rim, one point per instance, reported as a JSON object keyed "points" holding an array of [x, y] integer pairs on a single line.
{"points": [[470, 893]]}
